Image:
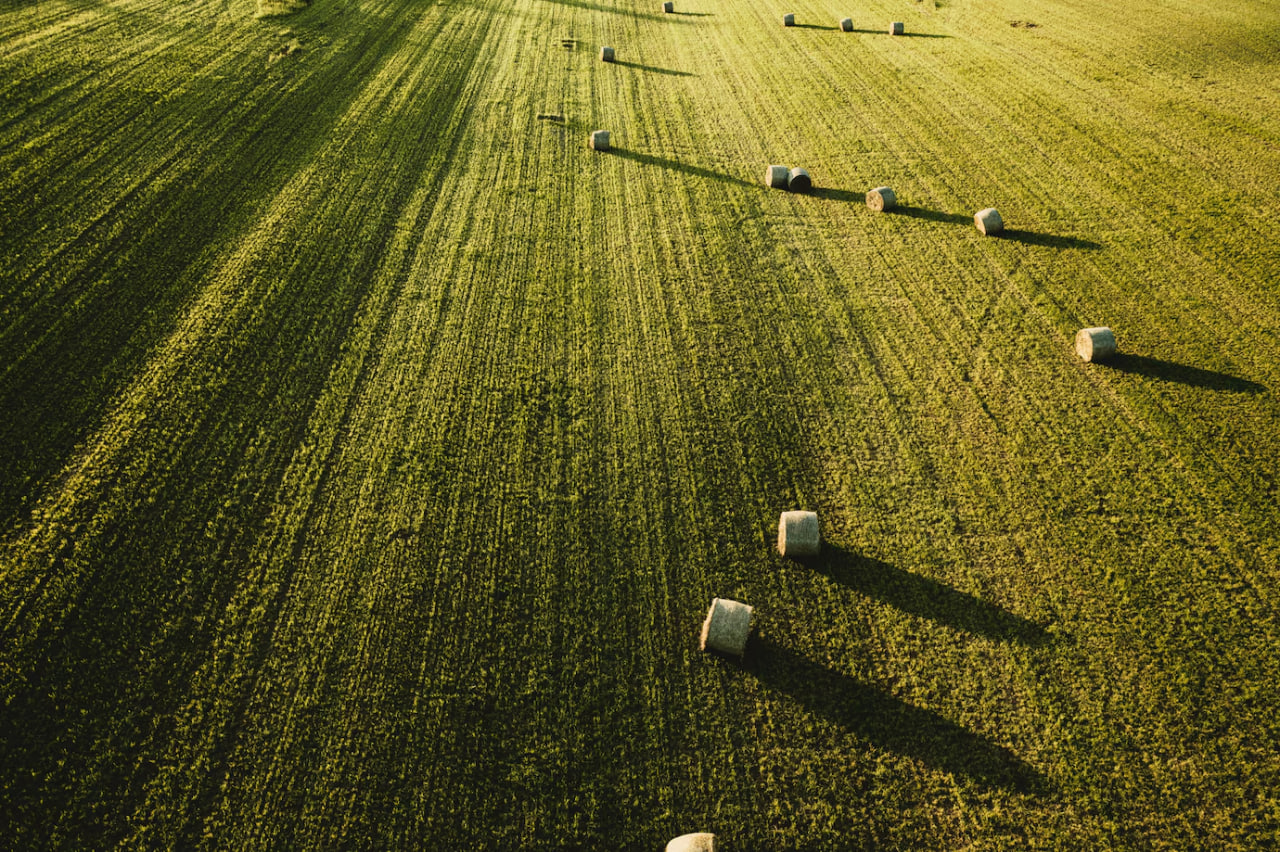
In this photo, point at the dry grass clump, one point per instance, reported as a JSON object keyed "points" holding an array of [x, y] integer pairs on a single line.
{"points": [[273, 8], [290, 48]]}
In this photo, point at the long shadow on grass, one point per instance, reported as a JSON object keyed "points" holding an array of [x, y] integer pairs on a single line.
{"points": [[675, 165], [925, 597], [814, 27], [597, 7], [931, 215], [1183, 374], [887, 721], [1031, 238], [653, 69], [847, 196]]}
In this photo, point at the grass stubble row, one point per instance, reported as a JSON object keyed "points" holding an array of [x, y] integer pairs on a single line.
{"points": [[412, 437]]}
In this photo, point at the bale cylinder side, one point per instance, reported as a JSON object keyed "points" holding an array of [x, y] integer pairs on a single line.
{"points": [[1095, 344], [606, 54], [881, 199], [988, 221], [896, 28], [726, 627], [776, 177], [846, 24], [600, 140], [702, 841], [788, 20], [798, 534], [799, 181]]}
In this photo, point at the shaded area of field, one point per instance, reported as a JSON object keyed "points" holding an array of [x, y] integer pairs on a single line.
{"points": [[887, 721], [924, 597], [1184, 374]]}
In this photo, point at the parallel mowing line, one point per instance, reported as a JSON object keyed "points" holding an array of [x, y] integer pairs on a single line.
{"points": [[219, 312], [301, 595]]}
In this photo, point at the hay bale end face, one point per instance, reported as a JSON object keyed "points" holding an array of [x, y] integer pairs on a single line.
{"points": [[776, 177], [881, 199], [798, 534], [988, 221], [788, 20], [798, 180], [606, 54], [846, 24], [1095, 344], [726, 627], [668, 7], [896, 28], [702, 841], [599, 140]]}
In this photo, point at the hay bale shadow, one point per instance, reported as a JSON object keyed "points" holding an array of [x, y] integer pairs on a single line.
{"points": [[677, 166], [843, 195], [926, 598], [931, 215], [653, 69], [1032, 238], [888, 721], [1184, 374], [614, 10]]}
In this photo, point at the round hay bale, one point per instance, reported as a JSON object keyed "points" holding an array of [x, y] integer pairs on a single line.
{"points": [[881, 199], [726, 627], [606, 54], [776, 177], [701, 841], [798, 180], [896, 28], [599, 140], [668, 7], [798, 534], [1095, 344], [988, 221], [846, 24], [788, 20]]}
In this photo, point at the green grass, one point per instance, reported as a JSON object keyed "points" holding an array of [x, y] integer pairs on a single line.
{"points": [[371, 449]]}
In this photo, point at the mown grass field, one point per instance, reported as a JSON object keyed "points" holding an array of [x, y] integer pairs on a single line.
{"points": [[370, 449]]}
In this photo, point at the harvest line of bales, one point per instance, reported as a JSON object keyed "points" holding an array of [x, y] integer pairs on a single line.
{"points": [[727, 625], [1092, 344]]}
